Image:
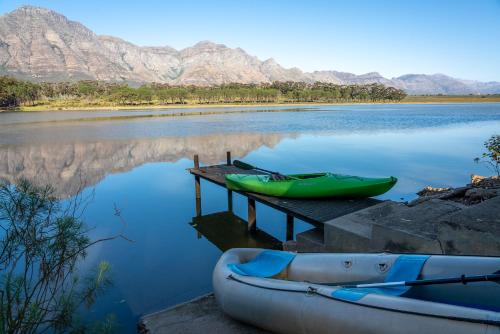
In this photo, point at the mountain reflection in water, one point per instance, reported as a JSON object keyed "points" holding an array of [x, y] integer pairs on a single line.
{"points": [[71, 167], [139, 166]]}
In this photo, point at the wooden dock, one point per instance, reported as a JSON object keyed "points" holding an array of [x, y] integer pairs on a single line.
{"points": [[313, 211]]}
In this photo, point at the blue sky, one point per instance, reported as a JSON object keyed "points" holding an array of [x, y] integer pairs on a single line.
{"points": [[458, 38]]}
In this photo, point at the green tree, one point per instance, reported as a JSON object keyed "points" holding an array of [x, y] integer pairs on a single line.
{"points": [[15, 92], [492, 156], [125, 95], [144, 94], [42, 243]]}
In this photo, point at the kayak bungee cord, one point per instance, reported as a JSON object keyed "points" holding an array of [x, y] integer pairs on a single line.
{"points": [[275, 175]]}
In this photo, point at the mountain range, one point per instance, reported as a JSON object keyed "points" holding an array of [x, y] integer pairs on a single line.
{"points": [[41, 45]]}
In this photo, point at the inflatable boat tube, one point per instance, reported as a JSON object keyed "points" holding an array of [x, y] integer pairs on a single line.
{"points": [[292, 293]]}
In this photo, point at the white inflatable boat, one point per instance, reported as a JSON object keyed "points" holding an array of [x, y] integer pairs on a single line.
{"points": [[314, 293]]}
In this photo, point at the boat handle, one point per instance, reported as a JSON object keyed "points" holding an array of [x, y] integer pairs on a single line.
{"points": [[311, 291], [383, 267]]}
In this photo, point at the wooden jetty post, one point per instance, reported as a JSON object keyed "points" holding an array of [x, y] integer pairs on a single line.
{"points": [[197, 186], [313, 211], [229, 192], [230, 200], [252, 215], [289, 227]]}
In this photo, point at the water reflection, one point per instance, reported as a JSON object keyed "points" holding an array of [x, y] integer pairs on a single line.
{"points": [[12, 118], [140, 166], [71, 167], [337, 120], [225, 230]]}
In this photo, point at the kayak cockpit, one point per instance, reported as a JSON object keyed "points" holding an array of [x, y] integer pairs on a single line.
{"points": [[308, 176]]}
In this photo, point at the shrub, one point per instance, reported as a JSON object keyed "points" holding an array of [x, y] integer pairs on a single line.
{"points": [[42, 242], [492, 156]]}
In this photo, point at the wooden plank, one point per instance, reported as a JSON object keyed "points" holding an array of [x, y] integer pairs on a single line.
{"points": [[313, 211]]}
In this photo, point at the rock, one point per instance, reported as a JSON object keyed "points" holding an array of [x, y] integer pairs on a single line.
{"points": [[40, 44], [476, 179], [417, 201], [485, 182], [477, 195], [473, 230], [480, 189], [453, 193], [428, 191]]}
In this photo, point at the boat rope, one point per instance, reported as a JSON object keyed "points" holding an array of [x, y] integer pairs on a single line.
{"points": [[311, 290]]}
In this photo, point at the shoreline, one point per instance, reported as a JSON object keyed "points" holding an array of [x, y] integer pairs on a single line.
{"points": [[246, 105]]}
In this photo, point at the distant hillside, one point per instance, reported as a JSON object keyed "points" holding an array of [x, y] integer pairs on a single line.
{"points": [[42, 45]]}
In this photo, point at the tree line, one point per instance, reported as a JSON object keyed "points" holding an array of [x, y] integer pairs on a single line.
{"points": [[14, 93]]}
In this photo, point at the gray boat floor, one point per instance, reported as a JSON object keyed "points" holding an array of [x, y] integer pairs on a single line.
{"points": [[201, 315]]}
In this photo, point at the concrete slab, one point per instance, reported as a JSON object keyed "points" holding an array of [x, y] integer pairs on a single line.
{"points": [[388, 226], [434, 226], [310, 241], [201, 315], [473, 230]]}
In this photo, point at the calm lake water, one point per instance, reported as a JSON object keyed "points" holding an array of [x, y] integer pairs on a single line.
{"points": [[138, 166]]}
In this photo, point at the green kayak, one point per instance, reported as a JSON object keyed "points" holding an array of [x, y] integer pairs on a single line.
{"points": [[311, 185]]}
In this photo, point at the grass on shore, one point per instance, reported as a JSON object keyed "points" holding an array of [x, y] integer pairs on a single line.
{"points": [[74, 106], [451, 98], [100, 105]]}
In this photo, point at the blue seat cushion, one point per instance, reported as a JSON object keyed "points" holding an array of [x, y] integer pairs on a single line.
{"points": [[267, 264], [405, 268]]}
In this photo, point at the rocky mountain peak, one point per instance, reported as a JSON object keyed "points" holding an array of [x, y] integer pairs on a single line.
{"points": [[28, 10], [30, 24], [372, 74], [42, 45], [270, 61], [208, 45], [32, 16]]}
